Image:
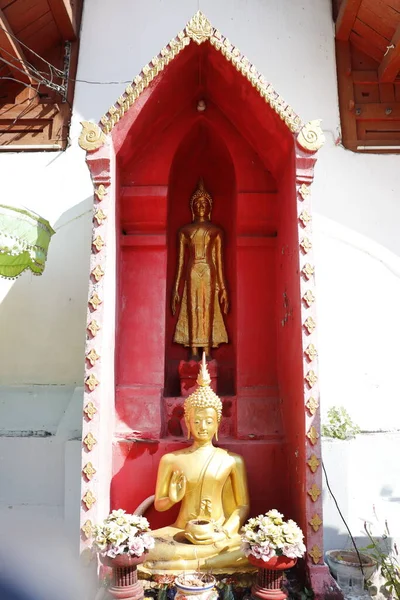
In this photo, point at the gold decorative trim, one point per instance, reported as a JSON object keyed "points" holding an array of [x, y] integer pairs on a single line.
{"points": [[92, 357], [101, 192], [309, 298], [91, 382], [313, 435], [89, 470], [311, 378], [311, 352], [93, 327], [87, 529], [308, 270], [311, 136], [306, 245], [98, 243], [314, 492], [100, 216], [312, 405], [90, 410], [88, 499], [315, 522], [199, 30], [95, 301], [313, 463], [90, 441], [91, 136], [304, 191], [310, 324], [315, 554], [98, 273], [305, 218]]}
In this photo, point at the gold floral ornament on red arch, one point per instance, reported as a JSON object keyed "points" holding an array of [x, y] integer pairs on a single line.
{"points": [[309, 298], [88, 499], [92, 382], [311, 352], [95, 301], [98, 273], [309, 324], [101, 192], [98, 243], [90, 441], [313, 435], [90, 410], [306, 245], [93, 327], [308, 271], [304, 191], [87, 529], [89, 471], [314, 492], [311, 378], [315, 554], [315, 522], [313, 463], [312, 405]]}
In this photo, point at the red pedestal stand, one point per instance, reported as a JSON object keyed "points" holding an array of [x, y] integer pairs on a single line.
{"points": [[268, 584], [125, 584]]}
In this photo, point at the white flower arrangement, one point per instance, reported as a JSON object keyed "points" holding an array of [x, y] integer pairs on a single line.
{"points": [[269, 535], [122, 533]]}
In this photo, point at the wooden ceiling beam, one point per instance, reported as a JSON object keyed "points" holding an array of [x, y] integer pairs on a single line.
{"points": [[64, 17], [11, 52], [347, 15], [390, 64]]}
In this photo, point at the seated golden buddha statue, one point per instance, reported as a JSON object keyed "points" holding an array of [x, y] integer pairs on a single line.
{"points": [[211, 485]]}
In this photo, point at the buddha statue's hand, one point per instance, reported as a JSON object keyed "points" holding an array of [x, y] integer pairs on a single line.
{"points": [[175, 301], [217, 536], [177, 487], [224, 301]]}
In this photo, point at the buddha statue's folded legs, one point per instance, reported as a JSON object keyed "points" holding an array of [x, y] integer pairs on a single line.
{"points": [[172, 552]]}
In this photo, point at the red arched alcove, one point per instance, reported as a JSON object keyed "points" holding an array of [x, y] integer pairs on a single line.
{"points": [[202, 153], [159, 164], [259, 165]]}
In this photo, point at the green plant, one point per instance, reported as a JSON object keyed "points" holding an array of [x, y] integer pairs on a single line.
{"points": [[387, 558], [340, 424]]}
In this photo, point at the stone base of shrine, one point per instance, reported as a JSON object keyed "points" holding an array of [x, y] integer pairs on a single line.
{"points": [[188, 372]]}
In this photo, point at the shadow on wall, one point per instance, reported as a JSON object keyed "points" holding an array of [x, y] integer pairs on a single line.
{"points": [[42, 319]]}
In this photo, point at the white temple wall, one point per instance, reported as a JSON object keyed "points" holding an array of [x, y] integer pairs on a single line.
{"points": [[356, 217]]}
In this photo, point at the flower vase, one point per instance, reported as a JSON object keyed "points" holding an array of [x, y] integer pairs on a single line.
{"points": [[268, 585], [125, 584]]}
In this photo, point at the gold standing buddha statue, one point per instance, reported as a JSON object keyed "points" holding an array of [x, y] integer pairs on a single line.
{"points": [[211, 485], [200, 322]]}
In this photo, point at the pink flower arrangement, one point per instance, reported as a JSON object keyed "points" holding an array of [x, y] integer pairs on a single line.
{"points": [[122, 533], [269, 535]]}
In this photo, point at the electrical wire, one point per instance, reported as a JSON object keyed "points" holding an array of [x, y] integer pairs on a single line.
{"points": [[58, 71], [54, 68], [342, 517]]}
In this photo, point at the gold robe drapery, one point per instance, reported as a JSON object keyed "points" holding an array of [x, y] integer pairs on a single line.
{"points": [[200, 321]]}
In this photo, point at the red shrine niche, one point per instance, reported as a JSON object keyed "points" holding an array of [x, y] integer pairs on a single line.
{"points": [[202, 117]]}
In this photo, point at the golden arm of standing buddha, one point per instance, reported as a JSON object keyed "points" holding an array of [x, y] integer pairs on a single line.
{"points": [[179, 270], [219, 264]]}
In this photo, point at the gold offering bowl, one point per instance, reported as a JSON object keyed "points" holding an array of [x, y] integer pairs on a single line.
{"points": [[197, 529]]}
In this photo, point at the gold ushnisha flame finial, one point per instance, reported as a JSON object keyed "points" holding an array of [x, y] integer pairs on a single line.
{"points": [[203, 396], [203, 378]]}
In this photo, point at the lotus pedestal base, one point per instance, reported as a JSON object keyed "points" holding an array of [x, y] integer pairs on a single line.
{"points": [[268, 585], [125, 584]]}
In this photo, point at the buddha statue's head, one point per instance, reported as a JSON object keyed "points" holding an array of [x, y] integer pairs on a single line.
{"points": [[201, 202], [203, 408]]}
